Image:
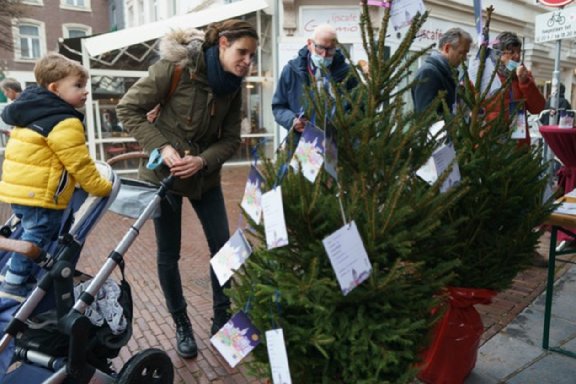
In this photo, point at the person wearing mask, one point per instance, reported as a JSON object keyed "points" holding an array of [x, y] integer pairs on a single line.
{"points": [[523, 95], [437, 73], [318, 58], [197, 130]]}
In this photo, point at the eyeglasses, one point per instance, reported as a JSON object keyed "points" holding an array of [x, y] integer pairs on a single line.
{"points": [[513, 52], [321, 49]]}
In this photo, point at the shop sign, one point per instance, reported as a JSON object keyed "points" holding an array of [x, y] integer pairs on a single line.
{"points": [[346, 20]]}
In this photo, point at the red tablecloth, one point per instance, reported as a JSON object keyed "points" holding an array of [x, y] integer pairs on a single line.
{"points": [[562, 141]]}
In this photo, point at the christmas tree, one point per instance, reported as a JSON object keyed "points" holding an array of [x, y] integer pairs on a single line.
{"points": [[376, 332], [504, 205]]}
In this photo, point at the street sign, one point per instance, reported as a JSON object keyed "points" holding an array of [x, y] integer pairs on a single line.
{"points": [[554, 3], [556, 25]]}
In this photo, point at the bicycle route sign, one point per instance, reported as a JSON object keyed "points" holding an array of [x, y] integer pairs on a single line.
{"points": [[556, 25]]}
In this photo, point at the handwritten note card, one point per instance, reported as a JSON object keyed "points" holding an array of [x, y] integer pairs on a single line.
{"points": [[348, 257], [443, 158], [274, 223], [278, 356]]}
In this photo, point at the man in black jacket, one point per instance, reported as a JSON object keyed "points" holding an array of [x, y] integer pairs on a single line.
{"points": [[435, 75]]}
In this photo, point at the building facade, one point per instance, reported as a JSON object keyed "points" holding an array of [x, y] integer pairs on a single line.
{"points": [[284, 26]]}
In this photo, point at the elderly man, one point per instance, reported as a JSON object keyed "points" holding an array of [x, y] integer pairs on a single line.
{"points": [[11, 88], [436, 74], [306, 68]]}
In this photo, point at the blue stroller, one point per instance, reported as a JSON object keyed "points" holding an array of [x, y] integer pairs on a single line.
{"points": [[50, 338]]}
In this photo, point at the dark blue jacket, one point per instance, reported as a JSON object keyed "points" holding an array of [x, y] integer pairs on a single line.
{"points": [[434, 75], [289, 95]]}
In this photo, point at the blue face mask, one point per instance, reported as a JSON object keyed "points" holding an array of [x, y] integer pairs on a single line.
{"points": [[320, 61], [512, 65]]}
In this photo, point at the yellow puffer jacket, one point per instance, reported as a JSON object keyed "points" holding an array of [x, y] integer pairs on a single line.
{"points": [[42, 170]]}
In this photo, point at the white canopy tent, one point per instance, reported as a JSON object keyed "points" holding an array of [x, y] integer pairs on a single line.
{"points": [[94, 46]]}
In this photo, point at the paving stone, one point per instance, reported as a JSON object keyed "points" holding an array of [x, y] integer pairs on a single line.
{"points": [[502, 355]]}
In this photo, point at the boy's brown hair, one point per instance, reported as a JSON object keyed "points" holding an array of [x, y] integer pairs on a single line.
{"points": [[54, 66]]}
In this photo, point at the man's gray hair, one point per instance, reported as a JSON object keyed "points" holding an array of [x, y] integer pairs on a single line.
{"points": [[454, 36], [324, 30], [10, 83]]}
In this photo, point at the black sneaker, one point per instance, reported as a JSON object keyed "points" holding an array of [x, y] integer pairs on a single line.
{"points": [[220, 318], [185, 343]]}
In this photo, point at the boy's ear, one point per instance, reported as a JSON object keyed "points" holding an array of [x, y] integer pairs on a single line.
{"points": [[53, 87]]}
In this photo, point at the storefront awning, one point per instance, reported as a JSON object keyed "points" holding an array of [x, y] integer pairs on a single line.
{"points": [[107, 42]]}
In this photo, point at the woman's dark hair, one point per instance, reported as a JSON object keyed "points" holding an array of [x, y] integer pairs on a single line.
{"points": [[233, 29], [507, 40]]}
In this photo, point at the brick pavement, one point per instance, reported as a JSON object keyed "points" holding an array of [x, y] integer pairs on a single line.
{"points": [[152, 324]]}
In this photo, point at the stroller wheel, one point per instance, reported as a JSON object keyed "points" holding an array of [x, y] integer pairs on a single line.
{"points": [[151, 366]]}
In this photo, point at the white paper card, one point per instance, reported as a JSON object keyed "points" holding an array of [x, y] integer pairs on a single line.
{"points": [[443, 158], [278, 357], [490, 66], [274, 223], [519, 126], [566, 209], [348, 257], [309, 153], [572, 193], [403, 11], [231, 257], [236, 339], [252, 199], [436, 129], [428, 172]]}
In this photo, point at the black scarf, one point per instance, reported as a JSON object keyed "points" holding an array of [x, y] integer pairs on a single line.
{"points": [[221, 82]]}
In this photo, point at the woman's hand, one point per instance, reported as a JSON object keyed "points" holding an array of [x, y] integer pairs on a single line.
{"points": [[523, 74], [187, 166], [169, 155]]}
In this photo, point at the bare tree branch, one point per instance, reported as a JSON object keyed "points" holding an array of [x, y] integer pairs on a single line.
{"points": [[9, 9]]}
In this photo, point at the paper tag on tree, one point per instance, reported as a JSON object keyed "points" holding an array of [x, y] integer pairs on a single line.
{"points": [[519, 126], [252, 200], [444, 158], [309, 153], [348, 257], [278, 357], [236, 339], [231, 257], [274, 223], [403, 11]]}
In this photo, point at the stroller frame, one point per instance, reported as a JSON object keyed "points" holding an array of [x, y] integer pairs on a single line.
{"points": [[71, 320]]}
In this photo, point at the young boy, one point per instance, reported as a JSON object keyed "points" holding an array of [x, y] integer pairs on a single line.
{"points": [[44, 159]]}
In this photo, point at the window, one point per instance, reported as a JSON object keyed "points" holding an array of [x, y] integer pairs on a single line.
{"points": [[76, 30], [33, 2], [83, 5], [29, 40]]}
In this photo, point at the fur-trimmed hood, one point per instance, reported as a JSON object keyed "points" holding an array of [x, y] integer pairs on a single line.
{"points": [[182, 46]]}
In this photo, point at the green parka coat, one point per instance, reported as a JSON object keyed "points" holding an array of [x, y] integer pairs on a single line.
{"points": [[192, 119]]}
